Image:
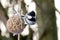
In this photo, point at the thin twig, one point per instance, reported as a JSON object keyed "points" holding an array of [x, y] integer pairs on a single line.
{"points": [[19, 36], [20, 10]]}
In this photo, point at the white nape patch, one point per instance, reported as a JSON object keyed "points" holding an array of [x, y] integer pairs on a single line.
{"points": [[57, 2], [4, 3], [27, 2], [25, 31], [29, 17]]}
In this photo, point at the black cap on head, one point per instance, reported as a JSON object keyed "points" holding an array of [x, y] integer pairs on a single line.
{"points": [[32, 13]]}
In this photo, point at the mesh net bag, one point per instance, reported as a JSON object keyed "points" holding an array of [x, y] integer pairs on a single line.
{"points": [[15, 24]]}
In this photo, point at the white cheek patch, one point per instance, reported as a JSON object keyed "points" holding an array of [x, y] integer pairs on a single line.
{"points": [[29, 17]]}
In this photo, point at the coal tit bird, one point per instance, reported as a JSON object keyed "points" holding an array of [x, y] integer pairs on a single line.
{"points": [[30, 18]]}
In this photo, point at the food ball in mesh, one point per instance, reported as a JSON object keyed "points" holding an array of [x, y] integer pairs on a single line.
{"points": [[15, 24]]}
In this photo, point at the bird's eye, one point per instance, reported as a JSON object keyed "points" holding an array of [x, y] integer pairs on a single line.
{"points": [[32, 13]]}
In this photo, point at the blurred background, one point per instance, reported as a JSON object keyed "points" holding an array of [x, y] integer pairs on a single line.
{"points": [[45, 17]]}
